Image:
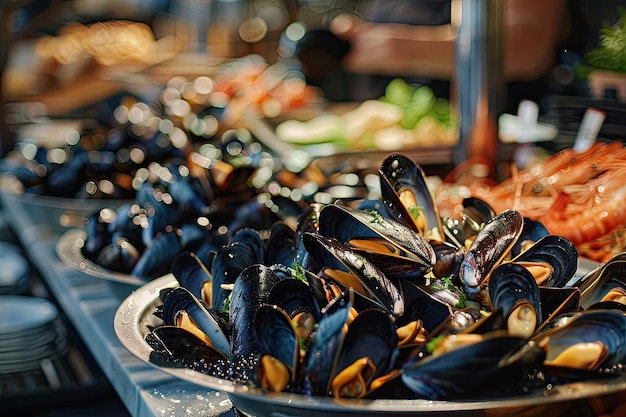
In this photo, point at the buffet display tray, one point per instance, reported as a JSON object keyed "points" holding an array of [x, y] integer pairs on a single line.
{"points": [[134, 319], [301, 156]]}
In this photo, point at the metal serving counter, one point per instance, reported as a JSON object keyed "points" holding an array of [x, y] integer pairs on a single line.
{"points": [[90, 303]]}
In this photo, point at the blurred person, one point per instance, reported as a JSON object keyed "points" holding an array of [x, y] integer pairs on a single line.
{"points": [[416, 40]]}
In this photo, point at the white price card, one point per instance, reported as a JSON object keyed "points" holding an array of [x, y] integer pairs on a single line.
{"points": [[589, 129]]}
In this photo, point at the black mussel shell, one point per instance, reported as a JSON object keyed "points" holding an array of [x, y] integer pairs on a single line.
{"points": [[308, 221], [449, 259], [191, 273], [514, 291], [420, 304], [160, 213], [461, 372], [596, 284], [207, 320], [330, 252], [280, 247], [558, 253], [476, 214], [294, 296], [533, 231], [250, 291], [176, 347], [277, 336], [556, 301], [399, 174], [407, 251], [607, 327], [229, 261], [156, 259], [491, 245], [119, 256], [253, 240], [98, 235], [370, 335], [321, 358]]}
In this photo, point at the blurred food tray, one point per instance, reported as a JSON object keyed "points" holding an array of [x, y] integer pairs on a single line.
{"points": [[300, 155]]}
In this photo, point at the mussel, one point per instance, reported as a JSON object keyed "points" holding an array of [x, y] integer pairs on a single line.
{"points": [[489, 248], [397, 250]]}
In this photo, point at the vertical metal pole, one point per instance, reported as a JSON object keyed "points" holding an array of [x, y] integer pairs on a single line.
{"points": [[479, 80]]}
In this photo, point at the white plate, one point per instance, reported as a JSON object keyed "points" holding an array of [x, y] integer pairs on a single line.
{"points": [[21, 313], [69, 250], [134, 319]]}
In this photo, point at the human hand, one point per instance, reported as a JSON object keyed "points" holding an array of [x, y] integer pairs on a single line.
{"points": [[395, 49]]}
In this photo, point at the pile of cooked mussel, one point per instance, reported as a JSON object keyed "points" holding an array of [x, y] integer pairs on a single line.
{"points": [[385, 299], [189, 204], [123, 135]]}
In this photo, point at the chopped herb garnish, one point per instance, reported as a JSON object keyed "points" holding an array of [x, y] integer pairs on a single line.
{"points": [[430, 345], [415, 211], [376, 217]]}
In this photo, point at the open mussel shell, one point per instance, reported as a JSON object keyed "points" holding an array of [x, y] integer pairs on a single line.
{"points": [[449, 258], [461, 372], [295, 297], [589, 339], [604, 282], [421, 303], [489, 248], [207, 320], [324, 289], [513, 289], [532, 231], [277, 338], [321, 358], [327, 288], [407, 198], [557, 301], [350, 264], [476, 213], [554, 258], [369, 351], [178, 347], [399, 250]]}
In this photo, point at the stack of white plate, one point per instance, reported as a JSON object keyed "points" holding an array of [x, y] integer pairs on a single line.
{"points": [[30, 331]]}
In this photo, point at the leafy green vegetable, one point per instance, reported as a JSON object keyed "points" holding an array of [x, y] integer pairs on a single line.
{"points": [[418, 106], [398, 92], [417, 101], [610, 52]]}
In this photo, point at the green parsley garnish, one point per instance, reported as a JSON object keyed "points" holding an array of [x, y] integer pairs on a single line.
{"points": [[415, 211]]}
